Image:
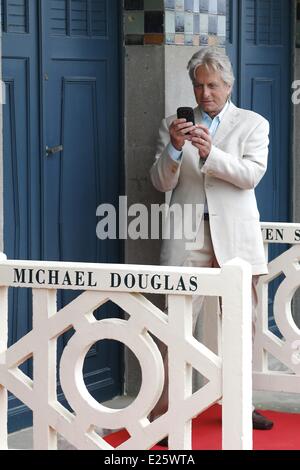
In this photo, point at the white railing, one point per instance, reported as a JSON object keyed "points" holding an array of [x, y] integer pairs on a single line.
{"points": [[228, 376], [286, 349]]}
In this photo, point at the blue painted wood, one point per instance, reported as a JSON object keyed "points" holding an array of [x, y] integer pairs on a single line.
{"points": [[232, 41], [261, 56], [21, 165], [82, 112], [61, 67]]}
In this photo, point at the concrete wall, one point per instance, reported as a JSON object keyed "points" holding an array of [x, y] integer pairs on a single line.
{"points": [[156, 83], [144, 109]]}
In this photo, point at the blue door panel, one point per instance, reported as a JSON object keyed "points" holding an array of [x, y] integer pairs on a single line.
{"points": [[82, 66], [61, 69], [265, 67], [81, 113], [77, 207], [16, 145], [265, 56], [20, 166], [74, 178], [259, 45], [261, 97], [233, 42]]}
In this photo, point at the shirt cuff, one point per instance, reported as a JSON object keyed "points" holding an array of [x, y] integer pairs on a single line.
{"points": [[174, 153]]}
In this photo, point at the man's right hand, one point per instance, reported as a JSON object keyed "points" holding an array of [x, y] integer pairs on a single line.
{"points": [[179, 132]]}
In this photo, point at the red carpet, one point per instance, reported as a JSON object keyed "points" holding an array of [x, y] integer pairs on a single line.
{"points": [[207, 430]]}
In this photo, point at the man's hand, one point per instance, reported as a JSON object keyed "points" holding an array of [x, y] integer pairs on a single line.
{"points": [[179, 132], [201, 139]]}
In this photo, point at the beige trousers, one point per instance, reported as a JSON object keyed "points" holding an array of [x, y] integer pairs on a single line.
{"points": [[202, 258]]}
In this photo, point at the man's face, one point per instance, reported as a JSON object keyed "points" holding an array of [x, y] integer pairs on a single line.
{"points": [[210, 90]]}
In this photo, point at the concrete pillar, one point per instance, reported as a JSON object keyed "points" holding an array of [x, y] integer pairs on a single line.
{"points": [[156, 83]]}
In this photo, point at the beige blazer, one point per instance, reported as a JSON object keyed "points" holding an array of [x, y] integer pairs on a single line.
{"points": [[234, 167]]}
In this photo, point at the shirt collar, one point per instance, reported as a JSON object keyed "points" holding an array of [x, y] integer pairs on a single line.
{"points": [[219, 116]]}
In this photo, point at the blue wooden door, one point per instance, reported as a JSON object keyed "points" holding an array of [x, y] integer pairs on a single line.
{"points": [[259, 45], [61, 66], [21, 164]]}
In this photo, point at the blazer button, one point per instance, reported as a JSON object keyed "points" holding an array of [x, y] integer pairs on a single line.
{"points": [[210, 172]]}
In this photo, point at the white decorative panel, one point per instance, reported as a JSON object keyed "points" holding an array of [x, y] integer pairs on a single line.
{"points": [[228, 376]]}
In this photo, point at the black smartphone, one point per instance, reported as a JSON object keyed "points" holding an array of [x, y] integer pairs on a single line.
{"points": [[186, 113]]}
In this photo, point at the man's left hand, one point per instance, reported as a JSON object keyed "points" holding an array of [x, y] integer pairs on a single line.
{"points": [[201, 139]]}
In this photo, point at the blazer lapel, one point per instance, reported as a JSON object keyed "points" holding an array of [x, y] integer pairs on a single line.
{"points": [[230, 119]]}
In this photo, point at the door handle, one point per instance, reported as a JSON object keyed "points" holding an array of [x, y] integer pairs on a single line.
{"points": [[53, 150]]}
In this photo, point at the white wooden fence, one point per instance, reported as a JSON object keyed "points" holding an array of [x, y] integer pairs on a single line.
{"points": [[228, 376], [285, 349]]}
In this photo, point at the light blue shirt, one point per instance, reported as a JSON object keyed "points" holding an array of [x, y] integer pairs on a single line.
{"points": [[211, 124]]}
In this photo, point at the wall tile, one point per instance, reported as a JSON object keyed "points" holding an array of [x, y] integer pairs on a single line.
{"points": [[169, 21], [204, 5], [212, 24], [196, 39], [179, 39], [154, 22], [213, 40], [154, 38], [156, 5], [213, 6], [179, 5], [179, 22], [189, 5], [222, 41], [134, 22], [203, 39], [221, 25], [203, 23], [188, 39], [196, 6], [170, 38], [134, 4], [221, 7], [134, 39], [170, 4], [189, 22], [196, 27]]}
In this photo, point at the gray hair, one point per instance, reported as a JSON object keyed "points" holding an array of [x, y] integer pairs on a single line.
{"points": [[212, 58]]}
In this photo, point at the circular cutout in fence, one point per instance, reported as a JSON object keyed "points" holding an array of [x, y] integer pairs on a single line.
{"points": [[111, 370], [87, 409]]}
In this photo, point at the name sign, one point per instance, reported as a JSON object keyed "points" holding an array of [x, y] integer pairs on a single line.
{"points": [[280, 233], [108, 277], [138, 281]]}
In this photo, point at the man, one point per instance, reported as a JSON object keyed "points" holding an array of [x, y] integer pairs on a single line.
{"points": [[217, 163]]}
